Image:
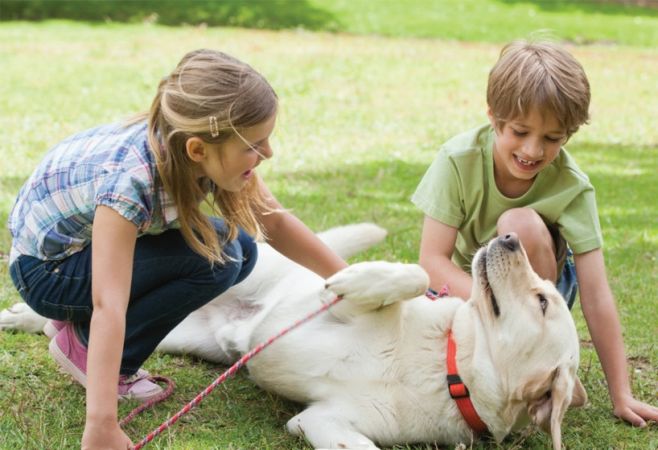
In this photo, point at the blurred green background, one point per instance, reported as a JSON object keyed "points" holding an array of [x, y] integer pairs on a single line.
{"points": [[581, 21]]}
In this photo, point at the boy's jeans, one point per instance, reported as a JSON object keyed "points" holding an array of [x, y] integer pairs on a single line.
{"points": [[567, 283], [169, 281]]}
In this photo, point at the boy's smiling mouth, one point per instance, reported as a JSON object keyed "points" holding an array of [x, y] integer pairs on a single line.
{"points": [[525, 163]]}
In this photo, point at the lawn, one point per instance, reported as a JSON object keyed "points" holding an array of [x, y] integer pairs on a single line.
{"points": [[577, 21], [580, 21], [361, 119]]}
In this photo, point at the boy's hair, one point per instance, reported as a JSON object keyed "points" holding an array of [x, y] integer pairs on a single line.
{"points": [[540, 75], [212, 96]]}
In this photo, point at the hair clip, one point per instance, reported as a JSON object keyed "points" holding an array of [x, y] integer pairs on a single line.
{"points": [[214, 128]]}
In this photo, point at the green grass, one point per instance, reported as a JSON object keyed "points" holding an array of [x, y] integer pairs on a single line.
{"points": [[361, 119], [497, 20], [579, 21]]}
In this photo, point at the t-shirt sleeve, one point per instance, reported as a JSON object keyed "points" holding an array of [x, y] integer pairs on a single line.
{"points": [[439, 194], [579, 223], [128, 194]]}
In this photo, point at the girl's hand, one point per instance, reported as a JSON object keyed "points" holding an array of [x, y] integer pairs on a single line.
{"points": [[634, 411], [105, 436]]}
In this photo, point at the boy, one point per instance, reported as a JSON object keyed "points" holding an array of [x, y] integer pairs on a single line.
{"points": [[513, 175]]}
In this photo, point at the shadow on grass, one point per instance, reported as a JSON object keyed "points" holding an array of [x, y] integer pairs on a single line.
{"points": [[253, 14], [648, 8], [380, 191], [622, 175], [9, 187], [10, 184], [624, 180]]}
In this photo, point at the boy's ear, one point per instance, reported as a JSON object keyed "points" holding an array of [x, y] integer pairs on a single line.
{"points": [[195, 149], [492, 119]]}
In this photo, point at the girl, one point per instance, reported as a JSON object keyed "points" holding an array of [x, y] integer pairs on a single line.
{"points": [[110, 242]]}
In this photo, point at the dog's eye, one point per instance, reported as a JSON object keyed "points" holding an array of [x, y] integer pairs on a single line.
{"points": [[543, 303]]}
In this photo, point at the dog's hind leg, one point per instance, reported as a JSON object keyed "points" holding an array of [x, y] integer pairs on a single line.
{"points": [[21, 317], [349, 240], [326, 427], [233, 339], [194, 336]]}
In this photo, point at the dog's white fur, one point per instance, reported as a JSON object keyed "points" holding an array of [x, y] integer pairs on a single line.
{"points": [[372, 369]]}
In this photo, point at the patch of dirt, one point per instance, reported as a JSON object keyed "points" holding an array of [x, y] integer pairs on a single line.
{"points": [[586, 343], [640, 363]]}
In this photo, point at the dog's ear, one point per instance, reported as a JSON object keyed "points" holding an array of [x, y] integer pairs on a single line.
{"points": [[550, 398], [538, 393]]}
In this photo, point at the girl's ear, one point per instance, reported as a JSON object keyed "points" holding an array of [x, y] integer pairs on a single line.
{"points": [[195, 149]]}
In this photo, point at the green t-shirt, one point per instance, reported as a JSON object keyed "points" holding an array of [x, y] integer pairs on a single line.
{"points": [[459, 190]]}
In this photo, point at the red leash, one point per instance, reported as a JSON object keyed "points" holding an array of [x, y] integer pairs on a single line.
{"points": [[146, 405], [230, 372]]}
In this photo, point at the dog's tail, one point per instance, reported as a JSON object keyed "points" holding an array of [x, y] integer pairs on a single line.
{"points": [[349, 240]]}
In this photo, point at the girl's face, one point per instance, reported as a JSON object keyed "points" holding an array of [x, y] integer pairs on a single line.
{"points": [[231, 164], [523, 147]]}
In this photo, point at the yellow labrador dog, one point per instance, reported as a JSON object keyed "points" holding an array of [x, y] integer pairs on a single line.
{"points": [[372, 371]]}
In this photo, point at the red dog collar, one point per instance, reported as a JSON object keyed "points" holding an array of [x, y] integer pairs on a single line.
{"points": [[459, 391]]}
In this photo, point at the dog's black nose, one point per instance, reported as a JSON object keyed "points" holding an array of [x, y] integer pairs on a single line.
{"points": [[510, 241]]}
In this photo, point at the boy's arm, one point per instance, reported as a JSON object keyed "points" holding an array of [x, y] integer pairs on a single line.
{"points": [[436, 247], [603, 322]]}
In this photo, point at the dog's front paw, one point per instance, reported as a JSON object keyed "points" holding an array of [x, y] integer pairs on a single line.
{"points": [[379, 283], [21, 317]]}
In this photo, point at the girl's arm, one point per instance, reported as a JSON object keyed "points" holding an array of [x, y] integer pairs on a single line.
{"points": [[289, 236], [113, 247], [603, 322], [436, 247]]}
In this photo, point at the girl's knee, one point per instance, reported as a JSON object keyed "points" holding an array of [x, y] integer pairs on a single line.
{"points": [[249, 250], [240, 258]]}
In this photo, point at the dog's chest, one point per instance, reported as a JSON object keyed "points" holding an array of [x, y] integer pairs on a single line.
{"points": [[325, 349], [326, 357], [392, 347]]}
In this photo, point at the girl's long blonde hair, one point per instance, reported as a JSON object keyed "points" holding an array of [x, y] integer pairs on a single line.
{"points": [[212, 96]]}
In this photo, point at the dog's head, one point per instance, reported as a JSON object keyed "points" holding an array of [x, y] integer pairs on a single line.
{"points": [[529, 333]]}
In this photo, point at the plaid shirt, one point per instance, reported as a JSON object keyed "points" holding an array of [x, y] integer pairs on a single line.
{"points": [[110, 165]]}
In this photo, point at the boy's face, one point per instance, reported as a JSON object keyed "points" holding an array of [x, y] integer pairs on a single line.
{"points": [[525, 145]]}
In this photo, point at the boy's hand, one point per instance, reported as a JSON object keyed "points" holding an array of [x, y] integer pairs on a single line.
{"points": [[634, 411]]}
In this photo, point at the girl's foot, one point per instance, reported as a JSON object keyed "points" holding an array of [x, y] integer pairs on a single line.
{"points": [[71, 356], [52, 327]]}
